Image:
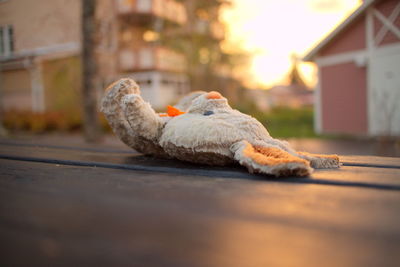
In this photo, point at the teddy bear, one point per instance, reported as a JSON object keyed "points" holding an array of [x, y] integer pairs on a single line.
{"points": [[204, 129]]}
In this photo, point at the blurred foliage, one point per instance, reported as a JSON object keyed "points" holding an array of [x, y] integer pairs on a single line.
{"points": [[283, 122], [62, 82], [51, 121], [280, 122], [209, 67], [61, 78]]}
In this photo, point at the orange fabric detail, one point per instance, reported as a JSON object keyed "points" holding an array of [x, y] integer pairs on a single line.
{"points": [[172, 112], [213, 95], [271, 156]]}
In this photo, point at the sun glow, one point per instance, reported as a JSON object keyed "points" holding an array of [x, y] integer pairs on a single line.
{"points": [[273, 31]]}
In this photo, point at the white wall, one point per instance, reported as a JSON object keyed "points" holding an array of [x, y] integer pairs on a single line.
{"points": [[384, 91]]}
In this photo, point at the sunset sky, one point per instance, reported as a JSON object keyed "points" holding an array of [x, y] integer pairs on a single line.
{"points": [[272, 30]]}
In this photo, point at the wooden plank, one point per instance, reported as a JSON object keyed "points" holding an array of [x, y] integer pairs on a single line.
{"points": [[349, 160], [384, 178], [66, 146], [387, 176], [64, 215], [389, 162]]}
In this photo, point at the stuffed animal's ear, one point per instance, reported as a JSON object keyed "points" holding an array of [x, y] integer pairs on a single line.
{"points": [[269, 160], [186, 101]]}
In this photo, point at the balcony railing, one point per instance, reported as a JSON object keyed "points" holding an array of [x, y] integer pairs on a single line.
{"points": [[166, 9], [151, 58]]}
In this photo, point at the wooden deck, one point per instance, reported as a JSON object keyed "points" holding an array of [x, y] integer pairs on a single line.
{"points": [[68, 206]]}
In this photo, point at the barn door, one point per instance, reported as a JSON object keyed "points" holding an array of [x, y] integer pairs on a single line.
{"points": [[384, 92]]}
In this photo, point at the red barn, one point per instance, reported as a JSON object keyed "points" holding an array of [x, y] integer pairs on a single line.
{"points": [[358, 90]]}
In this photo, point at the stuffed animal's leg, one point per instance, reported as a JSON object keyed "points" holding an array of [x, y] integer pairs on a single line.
{"points": [[269, 160], [141, 117], [317, 161], [111, 107]]}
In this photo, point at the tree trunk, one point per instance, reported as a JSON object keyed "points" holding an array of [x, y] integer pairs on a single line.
{"points": [[90, 118], [3, 131]]}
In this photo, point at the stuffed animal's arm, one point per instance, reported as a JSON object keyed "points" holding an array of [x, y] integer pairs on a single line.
{"points": [[111, 107], [132, 119], [141, 117]]}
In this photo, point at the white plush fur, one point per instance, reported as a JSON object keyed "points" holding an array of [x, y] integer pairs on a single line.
{"points": [[111, 108], [216, 132], [141, 117], [210, 125]]}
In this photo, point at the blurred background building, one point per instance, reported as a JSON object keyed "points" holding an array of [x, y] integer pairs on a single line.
{"points": [[295, 94], [358, 91], [39, 55], [159, 69], [169, 47]]}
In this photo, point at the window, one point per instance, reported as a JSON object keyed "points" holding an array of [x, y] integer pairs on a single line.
{"points": [[6, 40]]}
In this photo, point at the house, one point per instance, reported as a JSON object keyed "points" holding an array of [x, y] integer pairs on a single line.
{"points": [[29, 40], [40, 51], [358, 91], [296, 94]]}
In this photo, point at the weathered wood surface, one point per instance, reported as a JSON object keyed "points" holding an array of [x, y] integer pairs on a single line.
{"points": [[54, 211], [388, 162], [377, 174]]}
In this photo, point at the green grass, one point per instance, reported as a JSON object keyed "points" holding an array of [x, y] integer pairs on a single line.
{"points": [[283, 122]]}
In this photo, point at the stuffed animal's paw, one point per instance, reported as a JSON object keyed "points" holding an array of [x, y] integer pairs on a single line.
{"points": [[131, 99], [115, 92]]}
